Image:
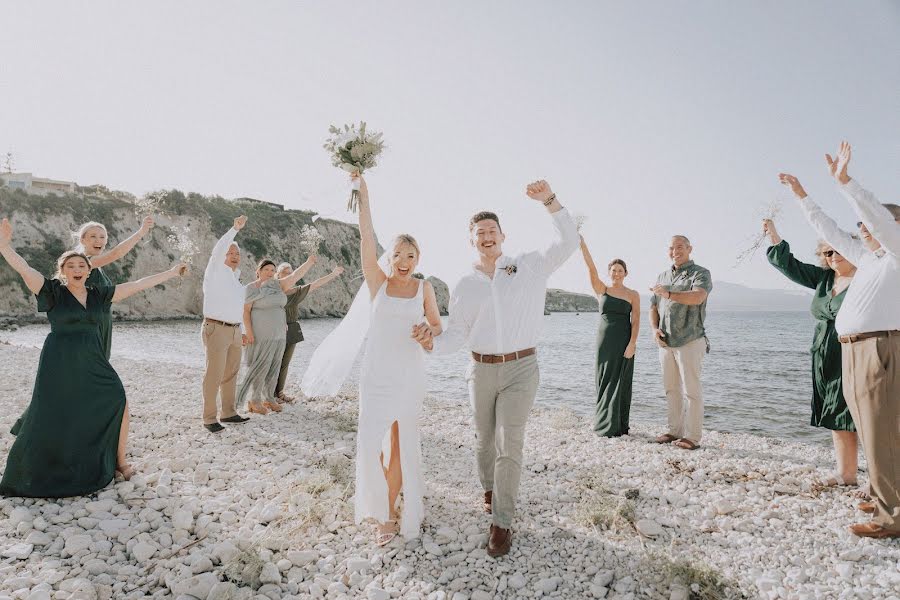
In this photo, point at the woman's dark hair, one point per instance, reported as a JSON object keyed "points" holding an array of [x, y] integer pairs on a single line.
{"points": [[617, 261], [264, 263], [482, 216]]}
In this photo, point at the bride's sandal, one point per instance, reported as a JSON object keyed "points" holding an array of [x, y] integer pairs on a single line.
{"points": [[834, 480], [387, 531]]}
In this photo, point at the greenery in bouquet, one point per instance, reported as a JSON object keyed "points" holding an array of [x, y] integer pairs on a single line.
{"points": [[354, 149]]}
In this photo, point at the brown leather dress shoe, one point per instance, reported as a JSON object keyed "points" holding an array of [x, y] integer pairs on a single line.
{"points": [[866, 507], [870, 530], [488, 499], [499, 541]]}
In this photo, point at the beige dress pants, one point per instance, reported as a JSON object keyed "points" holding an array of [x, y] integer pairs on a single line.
{"points": [[502, 395], [223, 361], [681, 368], [871, 384]]}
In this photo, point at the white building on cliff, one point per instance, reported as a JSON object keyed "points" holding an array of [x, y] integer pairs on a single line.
{"points": [[37, 185]]}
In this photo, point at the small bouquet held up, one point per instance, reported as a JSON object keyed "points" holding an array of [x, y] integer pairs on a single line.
{"points": [[354, 150], [181, 242], [149, 204], [310, 238], [755, 241]]}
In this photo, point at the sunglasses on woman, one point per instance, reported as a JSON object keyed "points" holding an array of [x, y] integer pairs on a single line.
{"points": [[830, 253]]}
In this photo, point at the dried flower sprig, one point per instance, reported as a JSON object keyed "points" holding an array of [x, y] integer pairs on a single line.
{"points": [[310, 238], [755, 242], [149, 204], [182, 242]]}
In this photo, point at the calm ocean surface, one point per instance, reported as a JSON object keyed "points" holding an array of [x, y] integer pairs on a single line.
{"points": [[756, 380]]}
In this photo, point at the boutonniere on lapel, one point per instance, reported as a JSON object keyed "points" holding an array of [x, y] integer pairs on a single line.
{"points": [[510, 269]]}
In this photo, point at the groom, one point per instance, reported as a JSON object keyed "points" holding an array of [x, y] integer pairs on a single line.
{"points": [[497, 309]]}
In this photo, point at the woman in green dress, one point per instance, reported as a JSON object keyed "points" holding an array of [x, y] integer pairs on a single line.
{"points": [[266, 332], [67, 441], [295, 296], [620, 319], [830, 281]]}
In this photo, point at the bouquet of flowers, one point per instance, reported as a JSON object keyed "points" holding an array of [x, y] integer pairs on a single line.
{"points": [[310, 238], [580, 221], [181, 242], [149, 204], [755, 242], [354, 150]]}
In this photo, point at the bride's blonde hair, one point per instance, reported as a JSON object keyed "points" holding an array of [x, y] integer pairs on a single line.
{"points": [[79, 235]]}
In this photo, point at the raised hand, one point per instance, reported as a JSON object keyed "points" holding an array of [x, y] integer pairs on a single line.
{"points": [[539, 190], [768, 226], [240, 222], [180, 269], [147, 224], [838, 166], [337, 272], [361, 181], [6, 231], [793, 183]]}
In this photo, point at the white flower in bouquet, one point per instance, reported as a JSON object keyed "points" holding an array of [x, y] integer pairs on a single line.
{"points": [[755, 241], [354, 150], [149, 204], [579, 222], [310, 238], [182, 242]]}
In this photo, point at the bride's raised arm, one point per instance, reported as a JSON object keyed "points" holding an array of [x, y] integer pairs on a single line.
{"points": [[375, 277]]}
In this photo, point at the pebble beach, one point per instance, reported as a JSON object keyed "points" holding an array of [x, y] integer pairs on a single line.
{"points": [[264, 511]]}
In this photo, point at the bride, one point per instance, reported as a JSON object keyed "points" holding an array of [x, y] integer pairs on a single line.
{"points": [[392, 378]]}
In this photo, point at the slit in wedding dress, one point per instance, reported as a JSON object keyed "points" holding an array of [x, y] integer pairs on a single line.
{"points": [[390, 453]]}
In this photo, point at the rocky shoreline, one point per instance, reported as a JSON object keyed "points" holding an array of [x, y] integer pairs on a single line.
{"points": [[264, 511]]}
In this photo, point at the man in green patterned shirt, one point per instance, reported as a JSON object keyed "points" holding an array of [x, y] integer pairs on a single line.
{"points": [[677, 312]]}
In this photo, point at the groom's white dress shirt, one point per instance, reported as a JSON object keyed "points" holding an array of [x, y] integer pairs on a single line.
{"points": [[871, 301], [223, 294], [506, 313]]}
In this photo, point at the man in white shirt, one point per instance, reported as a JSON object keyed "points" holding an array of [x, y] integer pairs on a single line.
{"points": [[868, 326], [497, 310], [223, 311]]}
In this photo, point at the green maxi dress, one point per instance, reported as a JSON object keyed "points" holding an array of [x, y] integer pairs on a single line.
{"points": [[67, 438], [614, 372], [98, 278], [829, 409]]}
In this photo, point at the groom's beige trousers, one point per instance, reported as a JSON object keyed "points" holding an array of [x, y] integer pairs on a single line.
{"points": [[502, 395], [223, 361]]}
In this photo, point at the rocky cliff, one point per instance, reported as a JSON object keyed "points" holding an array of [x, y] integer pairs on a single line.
{"points": [[43, 226], [563, 301]]}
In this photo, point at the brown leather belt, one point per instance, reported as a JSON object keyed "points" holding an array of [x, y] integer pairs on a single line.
{"points": [[858, 337], [492, 359], [218, 322]]}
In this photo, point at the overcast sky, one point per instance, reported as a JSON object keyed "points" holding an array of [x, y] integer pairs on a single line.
{"points": [[651, 118]]}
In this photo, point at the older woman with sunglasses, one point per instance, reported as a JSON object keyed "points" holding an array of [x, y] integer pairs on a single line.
{"points": [[830, 280]]}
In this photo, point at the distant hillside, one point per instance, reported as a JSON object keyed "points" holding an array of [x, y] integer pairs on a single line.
{"points": [[43, 226], [726, 296]]}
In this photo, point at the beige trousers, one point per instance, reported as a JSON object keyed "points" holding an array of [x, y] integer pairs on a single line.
{"points": [[223, 361], [871, 383], [681, 368], [502, 396]]}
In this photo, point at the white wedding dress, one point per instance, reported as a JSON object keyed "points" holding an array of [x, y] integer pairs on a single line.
{"points": [[391, 388]]}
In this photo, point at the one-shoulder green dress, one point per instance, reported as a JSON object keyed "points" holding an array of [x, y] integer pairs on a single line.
{"points": [[67, 438], [614, 372], [829, 409]]}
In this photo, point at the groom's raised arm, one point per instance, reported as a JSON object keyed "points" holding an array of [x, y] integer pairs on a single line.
{"points": [[566, 240]]}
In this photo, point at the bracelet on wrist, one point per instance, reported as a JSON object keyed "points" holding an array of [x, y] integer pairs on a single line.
{"points": [[550, 200]]}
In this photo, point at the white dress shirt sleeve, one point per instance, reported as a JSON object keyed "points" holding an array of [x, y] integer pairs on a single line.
{"points": [[876, 217], [851, 249], [564, 245], [217, 257], [456, 335]]}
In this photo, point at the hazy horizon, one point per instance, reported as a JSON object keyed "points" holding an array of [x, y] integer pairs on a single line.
{"points": [[649, 118]]}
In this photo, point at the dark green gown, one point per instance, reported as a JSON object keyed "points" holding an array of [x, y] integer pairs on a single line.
{"points": [[67, 438], [98, 278], [829, 409], [614, 372]]}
